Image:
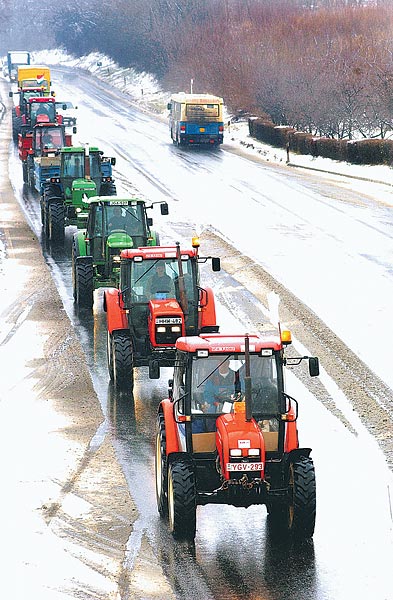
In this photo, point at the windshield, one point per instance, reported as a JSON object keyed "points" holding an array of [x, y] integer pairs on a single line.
{"points": [[74, 165], [218, 382], [159, 279], [46, 109], [126, 218], [49, 137]]}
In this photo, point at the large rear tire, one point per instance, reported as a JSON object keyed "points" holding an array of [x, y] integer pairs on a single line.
{"points": [[182, 500], [16, 127], [122, 361], [56, 222], [84, 285], [161, 468], [24, 171]]}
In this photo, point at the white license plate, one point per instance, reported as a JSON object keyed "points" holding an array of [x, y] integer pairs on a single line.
{"points": [[244, 466], [168, 321]]}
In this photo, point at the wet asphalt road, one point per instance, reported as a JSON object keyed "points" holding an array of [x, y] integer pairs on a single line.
{"points": [[234, 556]]}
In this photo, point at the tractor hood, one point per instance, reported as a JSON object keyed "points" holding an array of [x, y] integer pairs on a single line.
{"points": [[119, 239]]}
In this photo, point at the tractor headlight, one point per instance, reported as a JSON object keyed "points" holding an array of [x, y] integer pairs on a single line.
{"points": [[235, 452], [254, 452]]}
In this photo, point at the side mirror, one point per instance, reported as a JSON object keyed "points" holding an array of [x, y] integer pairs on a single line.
{"points": [[154, 369], [10, 94], [74, 129], [170, 388], [149, 221], [113, 161], [216, 264], [164, 208], [169, 106], [313, 366]]}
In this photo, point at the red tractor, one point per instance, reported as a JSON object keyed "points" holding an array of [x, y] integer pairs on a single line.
{"points": [[37, 146], [227, 434], [158, 300]]}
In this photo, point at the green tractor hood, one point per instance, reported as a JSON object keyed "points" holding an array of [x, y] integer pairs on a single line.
{"points": [[119, 239], [79, 189]]}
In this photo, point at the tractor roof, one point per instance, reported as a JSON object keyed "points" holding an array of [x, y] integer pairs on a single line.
{"points": [[79, 149], [157, 252], [48, 125], [113, 200], [42, 99], [226, 343]]}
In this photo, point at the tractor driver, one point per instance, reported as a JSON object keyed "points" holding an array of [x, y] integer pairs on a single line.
{"points": [[161, 283], [117, 220], [220, 387], [47, 140]]}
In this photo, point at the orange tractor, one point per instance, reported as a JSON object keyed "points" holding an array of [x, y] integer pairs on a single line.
{"points": [[227, 434], [159, 299]]}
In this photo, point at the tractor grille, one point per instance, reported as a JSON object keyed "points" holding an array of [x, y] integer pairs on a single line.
{"points": [[168, 329]]}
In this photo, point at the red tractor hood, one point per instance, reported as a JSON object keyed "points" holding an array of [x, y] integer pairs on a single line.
{"points": [[234, 432]]}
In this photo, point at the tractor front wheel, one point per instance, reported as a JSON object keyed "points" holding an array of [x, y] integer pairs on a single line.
{"points": [[161, 468], [298, 516], [182, 500], [123, 376], [302, 503]]}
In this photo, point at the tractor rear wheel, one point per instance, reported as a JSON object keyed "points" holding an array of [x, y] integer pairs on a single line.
{"points": [[83, 286], [24, 171], [161, 468], [122, 361], [56, 222], [182, 500], [16, 127]]}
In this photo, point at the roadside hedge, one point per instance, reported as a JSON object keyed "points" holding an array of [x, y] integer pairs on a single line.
{"points": [[360, 152]]}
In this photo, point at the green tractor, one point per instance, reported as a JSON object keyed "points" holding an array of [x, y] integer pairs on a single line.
{"points": [[113, 224], [83, 172]]}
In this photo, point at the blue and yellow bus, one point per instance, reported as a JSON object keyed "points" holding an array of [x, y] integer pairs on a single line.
{"points": [[196, 119]]}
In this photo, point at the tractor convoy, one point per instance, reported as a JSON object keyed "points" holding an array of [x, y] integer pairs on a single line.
{"points": [[227, 432]]}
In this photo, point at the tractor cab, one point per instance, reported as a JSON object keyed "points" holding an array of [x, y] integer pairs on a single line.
{"points": [[88, 164], [41, 110], [113, 224], [48, 138], [161, 291], [159, 299], [229, 428]]}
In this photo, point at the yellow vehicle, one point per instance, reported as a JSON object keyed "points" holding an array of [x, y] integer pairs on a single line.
{"points": [[196, 119], [34, 76]]}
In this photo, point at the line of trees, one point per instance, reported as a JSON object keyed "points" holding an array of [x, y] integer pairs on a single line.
{"points": [[322, 66]]}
